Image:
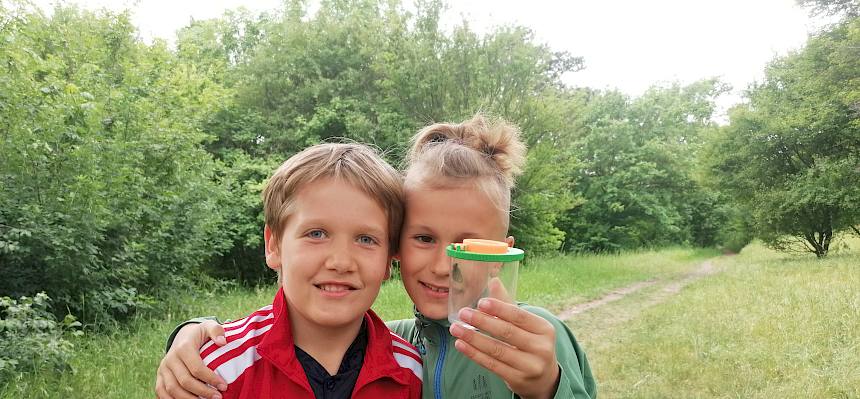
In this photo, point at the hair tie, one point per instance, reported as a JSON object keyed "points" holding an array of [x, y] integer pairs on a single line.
{"points": [[437, 138]]}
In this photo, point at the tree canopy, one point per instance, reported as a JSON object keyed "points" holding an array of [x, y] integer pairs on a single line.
{"points": [[130, 170], [791, 155]]}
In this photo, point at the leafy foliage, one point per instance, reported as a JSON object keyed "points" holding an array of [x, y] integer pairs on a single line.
{"points": [[128, 169], [107, 194], [792, 155], [843, 8], [636, 178], [30, 339]]}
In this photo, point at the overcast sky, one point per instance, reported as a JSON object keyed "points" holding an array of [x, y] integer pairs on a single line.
{"points": [[627, 44]]}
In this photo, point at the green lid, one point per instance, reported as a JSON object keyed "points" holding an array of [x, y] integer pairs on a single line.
{"points": [[457, 251]]}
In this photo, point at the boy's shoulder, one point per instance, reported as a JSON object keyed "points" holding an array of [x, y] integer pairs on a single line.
{"points": [[405, 354], [243, 336]]}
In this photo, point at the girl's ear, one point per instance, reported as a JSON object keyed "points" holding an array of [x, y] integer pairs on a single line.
{"points": [[273, 258], [510, 241]]}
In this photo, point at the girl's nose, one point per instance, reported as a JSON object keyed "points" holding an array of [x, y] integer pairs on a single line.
{"points": [[441, 265]]}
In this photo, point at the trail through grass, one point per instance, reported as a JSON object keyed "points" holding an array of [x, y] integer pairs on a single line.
{"points": [[769, 325]]}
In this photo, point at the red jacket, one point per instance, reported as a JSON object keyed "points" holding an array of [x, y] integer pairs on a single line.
{"points": [[259, 360]]}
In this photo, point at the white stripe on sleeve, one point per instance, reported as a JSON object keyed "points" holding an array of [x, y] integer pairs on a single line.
{"points": [[232, 369], [235, 344], [408, 362]]}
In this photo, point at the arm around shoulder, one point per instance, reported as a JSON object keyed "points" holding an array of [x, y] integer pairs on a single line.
{"points": [[196, 320]]}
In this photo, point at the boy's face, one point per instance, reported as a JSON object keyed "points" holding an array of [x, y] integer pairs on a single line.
{"points": [[434, 219], [332, 253]]}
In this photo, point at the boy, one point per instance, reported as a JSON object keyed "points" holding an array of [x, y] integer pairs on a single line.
{"points": [[333, 213]]}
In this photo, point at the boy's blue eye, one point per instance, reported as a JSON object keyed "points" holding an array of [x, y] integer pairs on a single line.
{"points": [[366, 240], [316, 234]]}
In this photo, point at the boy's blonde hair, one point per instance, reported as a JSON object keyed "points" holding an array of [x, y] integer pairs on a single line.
{"points": [[482, 152], [356, 164]]}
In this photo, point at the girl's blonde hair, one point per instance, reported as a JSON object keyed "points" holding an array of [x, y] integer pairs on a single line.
{"points": [[481, 152]]}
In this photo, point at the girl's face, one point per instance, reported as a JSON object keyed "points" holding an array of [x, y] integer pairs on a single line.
{"points": [[436, 217]]}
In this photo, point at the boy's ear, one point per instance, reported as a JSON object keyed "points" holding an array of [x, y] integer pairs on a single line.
{"points": [[273, 257], [510, 241]]}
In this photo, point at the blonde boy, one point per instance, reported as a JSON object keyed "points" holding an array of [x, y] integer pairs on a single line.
{"points": [[333, 213]]}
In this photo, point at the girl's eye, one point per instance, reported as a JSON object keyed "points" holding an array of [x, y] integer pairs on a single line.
{"points": [[424, 239], [366, 240], [316, 234]]}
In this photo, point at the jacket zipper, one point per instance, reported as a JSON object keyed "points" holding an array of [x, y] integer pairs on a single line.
{"points": [[437, 384]]}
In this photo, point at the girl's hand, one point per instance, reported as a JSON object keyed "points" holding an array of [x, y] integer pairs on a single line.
{"points": [[182, 374], [516, 345]]}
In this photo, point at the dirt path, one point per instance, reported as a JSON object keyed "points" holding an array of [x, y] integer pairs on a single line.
{"points": [[668, 289]]}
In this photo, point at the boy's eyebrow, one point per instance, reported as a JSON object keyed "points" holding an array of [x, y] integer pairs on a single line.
{"points": [[373, 230], [366, 228]]}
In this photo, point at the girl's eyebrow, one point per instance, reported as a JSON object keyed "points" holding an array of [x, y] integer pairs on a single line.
{"points": [[418, 227], [460, 237]]}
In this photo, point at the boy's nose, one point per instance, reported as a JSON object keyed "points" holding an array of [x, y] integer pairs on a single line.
{"points": [[340, 259]]}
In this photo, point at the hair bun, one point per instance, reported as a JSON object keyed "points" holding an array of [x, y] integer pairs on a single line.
{"points": [[496, 140]]}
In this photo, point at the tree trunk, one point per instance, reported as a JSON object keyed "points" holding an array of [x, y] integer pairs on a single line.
{"points": [[856, 229], [825, 236], [820, 241]]}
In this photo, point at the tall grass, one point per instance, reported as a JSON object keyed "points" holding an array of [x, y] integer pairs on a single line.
{"points": [[559, 282], [771, 325]]}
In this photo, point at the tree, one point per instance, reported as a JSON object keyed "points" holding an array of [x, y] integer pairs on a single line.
{"points": [[845, 8], [636, 176], [792, 155], [369, 71]]}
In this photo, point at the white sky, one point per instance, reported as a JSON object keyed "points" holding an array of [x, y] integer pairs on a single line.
{"points": [[627, 44]]}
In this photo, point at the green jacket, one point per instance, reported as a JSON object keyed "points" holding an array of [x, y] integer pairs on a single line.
{"points": [[450, 374]]}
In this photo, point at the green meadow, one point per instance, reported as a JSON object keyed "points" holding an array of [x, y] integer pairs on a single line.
{"points": [[758, 325], [766, 325]]}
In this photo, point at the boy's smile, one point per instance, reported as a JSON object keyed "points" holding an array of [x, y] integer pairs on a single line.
{"points": [[436, 217], [335, 289], [333, 254]]}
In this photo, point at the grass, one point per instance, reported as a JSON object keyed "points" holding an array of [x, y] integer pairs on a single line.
{"points": [[770, 325], [123, 363], [559, 282]]}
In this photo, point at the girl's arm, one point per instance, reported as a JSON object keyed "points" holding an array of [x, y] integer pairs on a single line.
{"points": [[523, 347]]}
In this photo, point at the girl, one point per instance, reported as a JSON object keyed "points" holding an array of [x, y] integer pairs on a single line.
{"points": [[458, 185]]}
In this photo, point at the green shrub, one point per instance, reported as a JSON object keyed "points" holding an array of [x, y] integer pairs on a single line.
{"points": [[30, 338], [109, 198]]}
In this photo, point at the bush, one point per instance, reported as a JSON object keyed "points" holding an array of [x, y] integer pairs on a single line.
{"points": [[30, 337], [109, 198]]}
